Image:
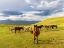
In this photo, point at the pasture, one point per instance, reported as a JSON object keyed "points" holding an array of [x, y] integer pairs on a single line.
{"points": [[51, 38]]}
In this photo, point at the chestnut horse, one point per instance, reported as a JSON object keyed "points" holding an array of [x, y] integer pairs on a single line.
{"points": [[46, 26], [36, 32]]}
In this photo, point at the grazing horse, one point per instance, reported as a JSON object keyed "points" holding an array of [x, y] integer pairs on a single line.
{"points": [[36, 32], [52, 26], [40, 26], [18, 28], [11, 29], [26, 28], [46, 26]]}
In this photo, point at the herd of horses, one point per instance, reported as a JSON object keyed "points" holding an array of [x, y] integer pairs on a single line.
{"points": [[35, 31], [19, 28]]}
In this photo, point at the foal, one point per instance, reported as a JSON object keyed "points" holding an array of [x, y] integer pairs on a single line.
{"points": [[36, 32]]}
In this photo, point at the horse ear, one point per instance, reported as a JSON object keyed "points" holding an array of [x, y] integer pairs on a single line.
{"points": [[34, 25]]}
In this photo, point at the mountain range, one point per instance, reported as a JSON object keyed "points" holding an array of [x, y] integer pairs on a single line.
{"points": [[17, 22]]}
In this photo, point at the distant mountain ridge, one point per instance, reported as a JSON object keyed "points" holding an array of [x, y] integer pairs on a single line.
{"points": [[17, 22]]}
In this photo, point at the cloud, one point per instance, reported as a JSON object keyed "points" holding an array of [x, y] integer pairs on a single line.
{"points": [[13, 5], [8, 13], [27, 16], [30, 16], [44, 13], [47, 6], [29, 10], [3, 18]]}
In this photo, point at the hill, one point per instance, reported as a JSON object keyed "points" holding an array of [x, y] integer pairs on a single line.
{"points": [[57, 20]]}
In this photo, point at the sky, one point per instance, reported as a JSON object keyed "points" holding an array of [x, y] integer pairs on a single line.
{"points": [[30, 10]]}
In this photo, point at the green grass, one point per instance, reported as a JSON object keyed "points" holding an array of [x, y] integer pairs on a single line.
{"points": [[25, 39]]}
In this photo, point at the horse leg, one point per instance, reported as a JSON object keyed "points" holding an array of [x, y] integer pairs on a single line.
{"points": [[28, 29], [37, 39], [15, 31], [19, 31], [40, 28], [52, 27], [56, 27], [34, 39]]}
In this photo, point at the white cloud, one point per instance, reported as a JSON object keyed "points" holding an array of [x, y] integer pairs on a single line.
{"points": [[28, 1], [29, 16], [3, 18], [47, 4], [59, 14], [32, 6], [1, 14]]}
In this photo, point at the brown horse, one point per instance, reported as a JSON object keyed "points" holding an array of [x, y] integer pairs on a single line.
{"points": [[18, 28], [46, 26], [26, 28], [52, 26], [40, 27], [36, 32]]}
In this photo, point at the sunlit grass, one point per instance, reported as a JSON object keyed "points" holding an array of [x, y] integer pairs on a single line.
{"points": [[51, 38]]}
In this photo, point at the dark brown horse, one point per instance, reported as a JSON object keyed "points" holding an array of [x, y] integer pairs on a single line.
{"points": [[53, 26], [40, 26], [36, 32], [50, 26], [18, 28]]}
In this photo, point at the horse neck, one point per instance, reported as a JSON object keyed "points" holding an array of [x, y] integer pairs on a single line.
{"points": [[35, 29]]}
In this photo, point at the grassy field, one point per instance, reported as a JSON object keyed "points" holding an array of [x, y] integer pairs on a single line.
{"points": [[51, 38]]}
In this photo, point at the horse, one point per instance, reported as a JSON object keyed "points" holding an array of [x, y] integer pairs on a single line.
{"points": [[18, 28], [36, 32], [26, 28], [52, 26], [11, 29], [46, 26], [40, 26]]}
